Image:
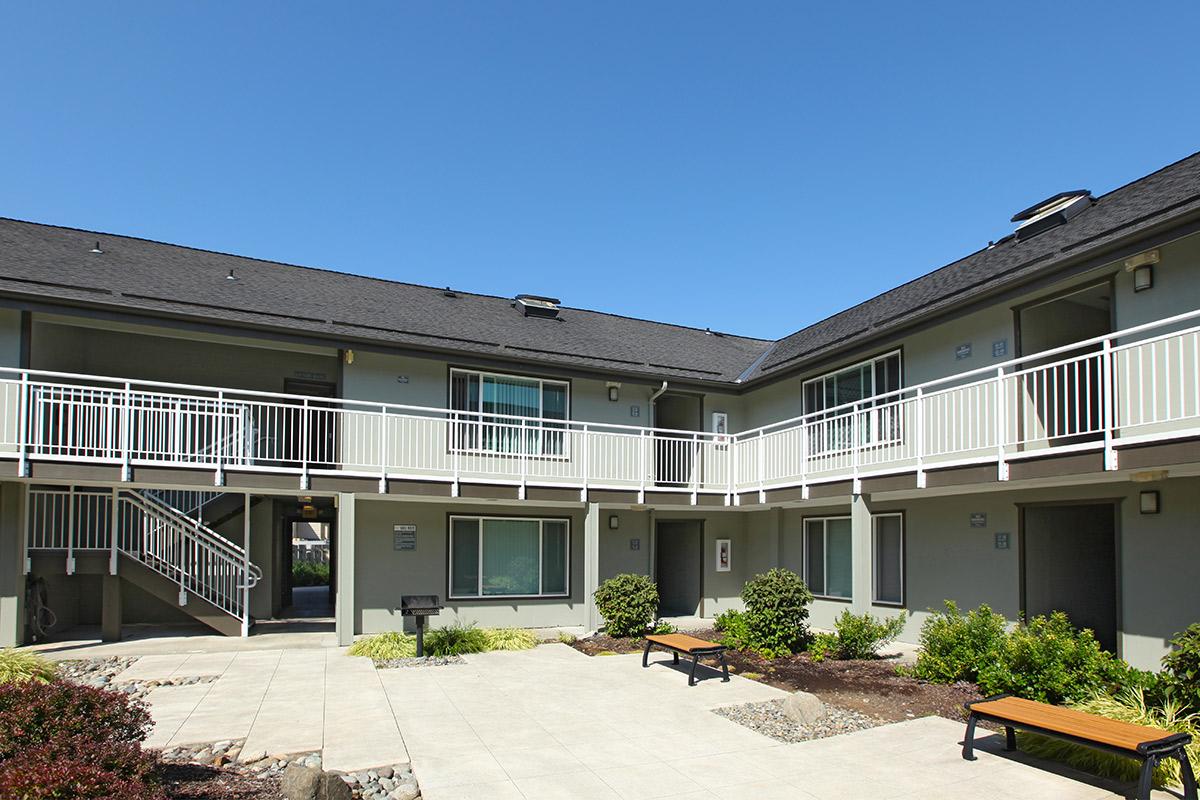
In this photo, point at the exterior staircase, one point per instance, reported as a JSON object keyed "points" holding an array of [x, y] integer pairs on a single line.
{"points": [[167, 551]]}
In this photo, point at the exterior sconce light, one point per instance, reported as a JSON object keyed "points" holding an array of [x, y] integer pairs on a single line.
{"points": [[614, 392], [1148, 502], [614, 522], [1142, 267], [348, 356]]}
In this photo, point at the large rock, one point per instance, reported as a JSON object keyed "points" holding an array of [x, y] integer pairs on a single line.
{"points": [[310, 783], [804, 708], [333, 787]]}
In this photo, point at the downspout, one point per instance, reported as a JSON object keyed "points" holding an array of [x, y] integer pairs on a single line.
{"points": [[657, 394]]}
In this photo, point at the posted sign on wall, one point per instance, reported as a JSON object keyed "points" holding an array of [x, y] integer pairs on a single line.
{"points": [[404, 537]]}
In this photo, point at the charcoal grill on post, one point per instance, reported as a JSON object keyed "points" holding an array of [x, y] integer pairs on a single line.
{"points": [[420, 606]]}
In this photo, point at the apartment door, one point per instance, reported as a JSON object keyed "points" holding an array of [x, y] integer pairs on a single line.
{"points": [[679, 562], [676, 455], [311, 431], [1064, 401], [1069, 563]]}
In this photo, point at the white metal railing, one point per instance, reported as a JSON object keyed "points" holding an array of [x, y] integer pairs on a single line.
{"points": [[196, 558], [1139, 384]]}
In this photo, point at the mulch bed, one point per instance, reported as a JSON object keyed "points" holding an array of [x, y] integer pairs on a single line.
{"points": [[196, 782], [869, 687]]}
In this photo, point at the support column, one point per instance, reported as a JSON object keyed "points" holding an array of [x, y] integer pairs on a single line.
{"points": [[344, 615], [775, 537], [12, 565], [110, 609], [591, 566], [861, 553]]}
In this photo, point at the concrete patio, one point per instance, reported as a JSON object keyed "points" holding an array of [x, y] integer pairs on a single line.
{"points": [[553, 723]]}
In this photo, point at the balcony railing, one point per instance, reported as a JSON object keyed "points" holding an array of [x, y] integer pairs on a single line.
{"points": [[1137, 385]]}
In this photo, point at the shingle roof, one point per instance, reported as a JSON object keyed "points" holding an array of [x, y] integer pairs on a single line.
{"points": [[46, 261], [1171, 192], [145, 276]]}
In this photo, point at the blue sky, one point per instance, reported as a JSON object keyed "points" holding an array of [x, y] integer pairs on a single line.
{"points": [[749, 167]]}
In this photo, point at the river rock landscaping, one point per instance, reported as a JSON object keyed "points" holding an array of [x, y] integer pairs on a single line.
{"points": [[770, 719]]}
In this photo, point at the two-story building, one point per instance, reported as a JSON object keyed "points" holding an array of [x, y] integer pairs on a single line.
{"points": [[1020, 427]]}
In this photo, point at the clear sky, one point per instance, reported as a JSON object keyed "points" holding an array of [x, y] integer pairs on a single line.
{"points": [[751, 167]]}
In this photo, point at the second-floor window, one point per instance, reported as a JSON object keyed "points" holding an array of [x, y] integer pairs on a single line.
{"points": [[879, 424], [498, 413]]}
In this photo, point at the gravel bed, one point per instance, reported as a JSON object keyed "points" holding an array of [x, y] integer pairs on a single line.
{"points": [[424, 661], [97, 672], [768, 719]]}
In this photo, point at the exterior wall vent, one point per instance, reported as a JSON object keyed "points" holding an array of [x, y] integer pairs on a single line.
{"points": [[1051, 212], [531, 305]]}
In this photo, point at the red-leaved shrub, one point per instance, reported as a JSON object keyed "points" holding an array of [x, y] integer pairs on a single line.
{"points": [[60, 740]]}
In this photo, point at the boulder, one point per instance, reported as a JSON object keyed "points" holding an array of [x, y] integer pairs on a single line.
{"points": [[405, 791], [334, 788], [302, 783], [804, 708]]}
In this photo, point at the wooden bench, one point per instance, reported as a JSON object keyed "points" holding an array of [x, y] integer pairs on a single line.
{"points": [[682, 644], [1148, 745]]}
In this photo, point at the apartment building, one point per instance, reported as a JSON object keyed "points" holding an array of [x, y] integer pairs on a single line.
{"points": [[1020, 427]]}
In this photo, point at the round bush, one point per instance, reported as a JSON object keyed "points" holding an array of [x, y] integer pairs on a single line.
{"points": [[628, 603], [1181, 668], [776, 613]]}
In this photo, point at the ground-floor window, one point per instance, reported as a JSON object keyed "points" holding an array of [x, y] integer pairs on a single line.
{"points": [[827, 557], [509, 557], [887, 532]]}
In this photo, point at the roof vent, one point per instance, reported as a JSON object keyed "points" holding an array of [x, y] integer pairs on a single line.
{"points": [[448, 292], [531, 305], [1051, 212]]}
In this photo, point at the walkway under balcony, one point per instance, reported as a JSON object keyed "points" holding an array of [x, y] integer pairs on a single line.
{"points": [[1125, 401]]}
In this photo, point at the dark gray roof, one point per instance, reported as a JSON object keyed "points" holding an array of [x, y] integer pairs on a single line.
{"points": [[1169, 193], [136, 275], [141, 276]]}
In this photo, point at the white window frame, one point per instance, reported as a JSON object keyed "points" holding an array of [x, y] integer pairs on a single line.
{"points": [[872, 437], [566, 521], [825, 556], [565, 455], [875, 561]]}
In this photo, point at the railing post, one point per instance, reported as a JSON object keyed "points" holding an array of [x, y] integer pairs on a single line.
{"points": [[805, 438], [23, 426], [113, 528], [383, 449], [1001, 426], [919, 405], [126, 433], [1106, 390], [642, 466], [855, 484], [219, 445], [305, 430], [524, 445], [456, 450], [762, 467], [246, 565], [587, 443], [71, 530], [731, 478], [696, 466]]}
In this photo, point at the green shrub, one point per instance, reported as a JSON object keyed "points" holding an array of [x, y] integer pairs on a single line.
{"points": [[823, 646], [628, 604], [662, 626], [385, 646], [1050, 661], [955, 647], [776, 613], [309, 573], [1130, 705], [734, 630], [17, 666], [455, 640], [509, 639], [723, 620], [1181, 669], [567, 638], [861, 636]]}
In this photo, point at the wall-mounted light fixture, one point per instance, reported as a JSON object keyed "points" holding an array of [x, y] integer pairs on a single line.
{"points": [[614, 522], [614, 391], [1148, 502], [348, 356], [1142, 267]]}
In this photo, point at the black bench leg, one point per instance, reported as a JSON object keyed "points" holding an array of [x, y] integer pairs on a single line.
{"points": [[1147, 777], [1010, 739], [692, 674], [675, 658], [969, 738], [1189, 777], [646, 654], [724, 668]]}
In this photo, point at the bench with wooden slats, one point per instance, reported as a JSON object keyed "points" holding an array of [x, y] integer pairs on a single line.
{"points": [[1149, 745], [682, 644]]}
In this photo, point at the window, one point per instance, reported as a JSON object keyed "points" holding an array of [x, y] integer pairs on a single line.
{"points": [[858, 382], [508, 557], [827, 559], [887, 532], [507, 413]]}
